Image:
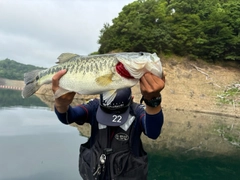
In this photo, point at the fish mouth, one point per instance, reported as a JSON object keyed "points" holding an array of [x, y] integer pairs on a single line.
{"points": [[121, 70]]}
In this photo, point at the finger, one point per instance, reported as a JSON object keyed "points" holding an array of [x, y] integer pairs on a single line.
{"points": [[154, 81], [150, 80], [151, 83], [56, 78], [144, 83], [147, 85], [59, 74]]}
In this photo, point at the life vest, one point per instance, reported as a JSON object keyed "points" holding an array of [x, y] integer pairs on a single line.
{"points": [[108, 154]]}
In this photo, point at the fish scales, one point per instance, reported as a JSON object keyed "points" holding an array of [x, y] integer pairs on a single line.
{"points": [[86, 72], [95, 74], [85, 66]]}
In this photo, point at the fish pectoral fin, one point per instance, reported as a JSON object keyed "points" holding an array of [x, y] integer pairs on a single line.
{"points": [[109, 96], [60, 92], [104, 80], [64, 57]]}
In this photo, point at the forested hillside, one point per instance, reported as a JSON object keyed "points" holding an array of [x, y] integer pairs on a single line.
{"points": [[11, 69], [205, 29]]}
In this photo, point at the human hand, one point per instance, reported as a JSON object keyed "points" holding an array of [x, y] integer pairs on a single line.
{"points": [[61, 103], [151, 85]]}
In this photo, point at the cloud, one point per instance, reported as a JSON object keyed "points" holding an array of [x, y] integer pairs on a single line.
{"points": [[37, 32]]}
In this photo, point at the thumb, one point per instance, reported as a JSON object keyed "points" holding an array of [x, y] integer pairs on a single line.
{"points": [[56, 78]]}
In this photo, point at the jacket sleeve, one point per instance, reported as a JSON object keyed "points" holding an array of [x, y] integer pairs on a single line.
{"points": [[152, 124], [79, 114]]}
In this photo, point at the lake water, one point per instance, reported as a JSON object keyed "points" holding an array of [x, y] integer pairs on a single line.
{"points": [[34, 145]]}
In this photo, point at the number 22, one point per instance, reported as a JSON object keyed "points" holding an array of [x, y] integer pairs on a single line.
{"points": [[117, 118]]}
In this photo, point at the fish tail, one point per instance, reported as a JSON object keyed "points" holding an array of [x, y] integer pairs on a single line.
{"points": [[31, 83]]}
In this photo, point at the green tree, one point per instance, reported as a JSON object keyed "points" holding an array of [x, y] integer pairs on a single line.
{"points": [[208, 29]]}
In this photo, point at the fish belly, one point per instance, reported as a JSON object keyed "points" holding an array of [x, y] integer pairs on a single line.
{"points": [[90, 76], [87, 84]]}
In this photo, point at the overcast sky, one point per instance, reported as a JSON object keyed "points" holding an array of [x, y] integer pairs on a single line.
{"points": [[37, 31]]}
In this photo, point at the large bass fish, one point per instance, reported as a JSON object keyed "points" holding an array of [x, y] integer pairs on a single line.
{"points": [[95, 74]]}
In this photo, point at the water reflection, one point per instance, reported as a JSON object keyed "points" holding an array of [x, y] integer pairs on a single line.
{"points": [[17, 121], [177, 166], [195, 146], [47, 156], [10, 98], [198, 133], [35, 145]]}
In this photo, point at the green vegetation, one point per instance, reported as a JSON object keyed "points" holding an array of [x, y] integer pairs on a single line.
{"points": [[11, 69], [206, 29], [229, 133], [231, 95], [94, 53]]}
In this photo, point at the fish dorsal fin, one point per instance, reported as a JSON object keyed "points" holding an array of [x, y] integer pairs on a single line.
{"points": [[109, 96], [104, 80], [64, 57]]}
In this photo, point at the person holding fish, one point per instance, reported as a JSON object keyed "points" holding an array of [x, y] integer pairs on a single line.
{"points": [[114, 149]]}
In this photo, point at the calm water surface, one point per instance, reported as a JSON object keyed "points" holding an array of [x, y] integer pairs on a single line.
{"points": [[34, 145]]}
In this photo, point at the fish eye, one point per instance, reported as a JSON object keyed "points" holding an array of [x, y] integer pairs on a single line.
{"points": [[141, 53]]}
